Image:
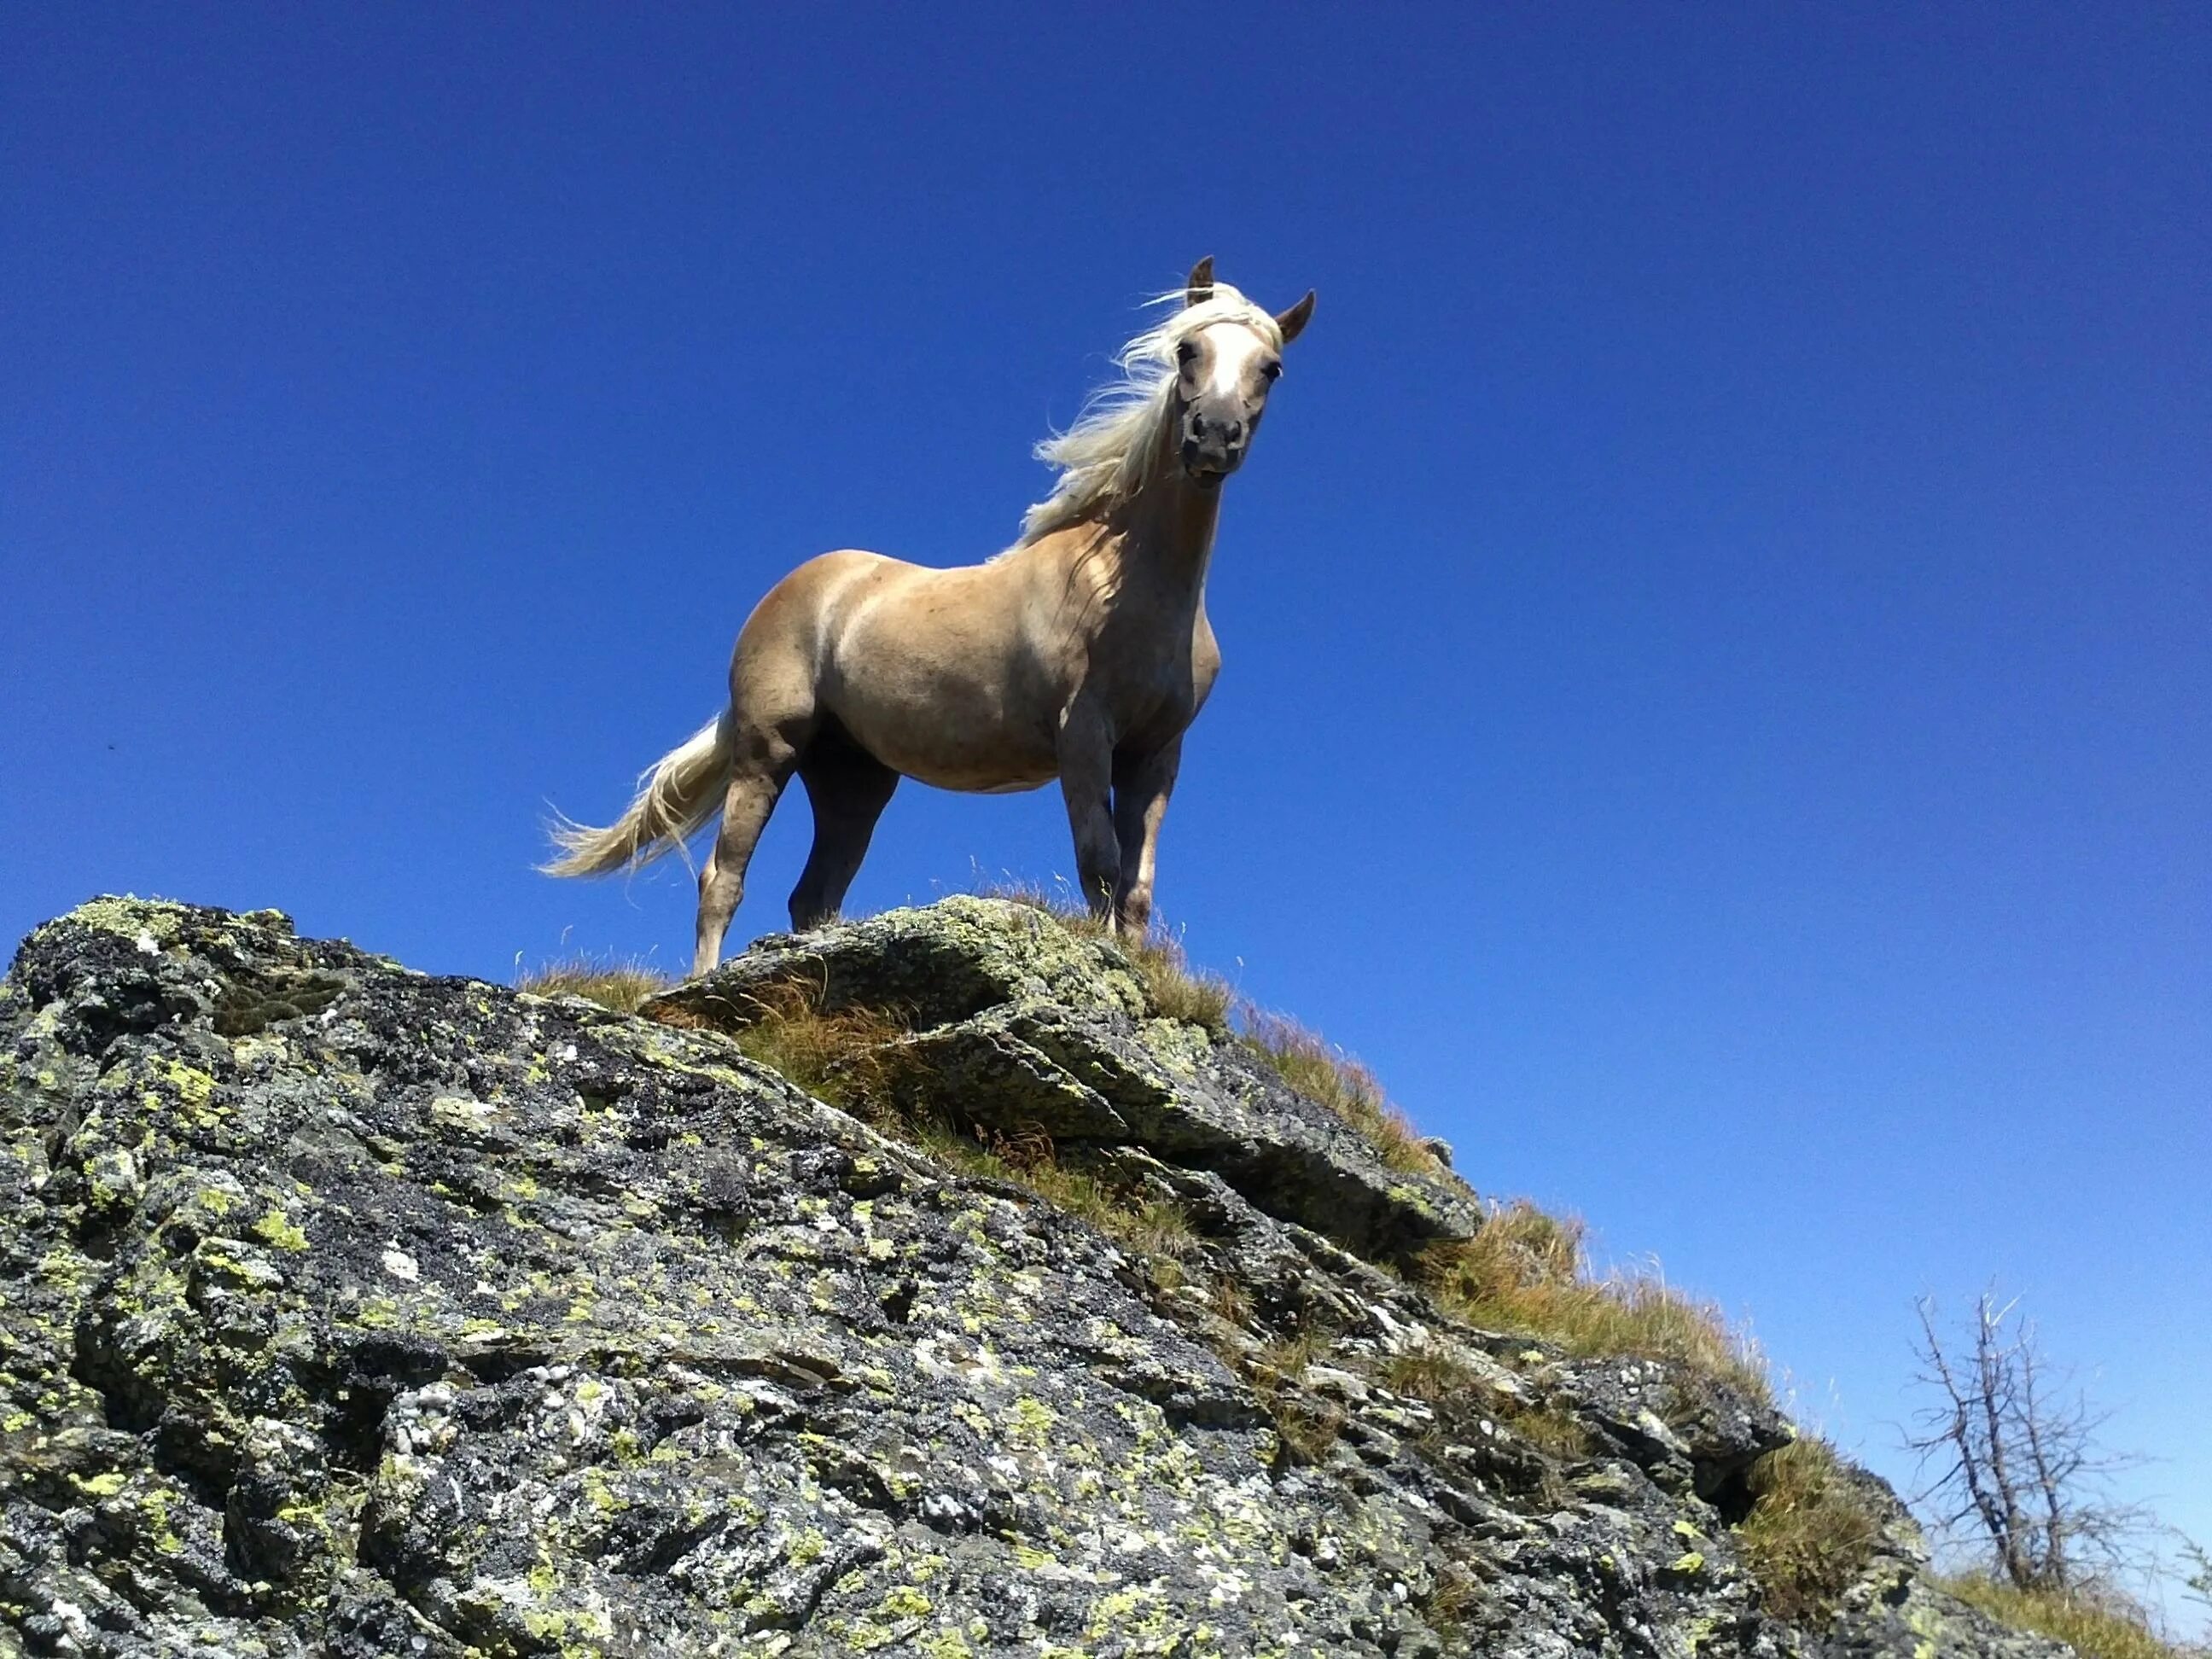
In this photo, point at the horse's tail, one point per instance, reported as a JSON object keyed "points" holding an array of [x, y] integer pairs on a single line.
{"points": [[675, 796]]}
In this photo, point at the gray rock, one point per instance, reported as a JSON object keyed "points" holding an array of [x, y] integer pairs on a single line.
{"points": [[1031, 1028], [954, 958], [345, 1310]]}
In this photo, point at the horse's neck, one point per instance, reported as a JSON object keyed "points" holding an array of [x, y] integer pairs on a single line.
{"points": [[1164, 537], [1167, 529], [1138, 563]]}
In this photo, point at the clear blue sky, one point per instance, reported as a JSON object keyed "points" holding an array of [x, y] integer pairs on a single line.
{"points": [[1718, 631]]}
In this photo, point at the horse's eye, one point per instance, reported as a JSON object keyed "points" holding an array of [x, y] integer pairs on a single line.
{"points": [[1273, 371], [1187, 353]]}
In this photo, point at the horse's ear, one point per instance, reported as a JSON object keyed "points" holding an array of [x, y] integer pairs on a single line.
{"points": [[1293, 321], [1200, 287]]}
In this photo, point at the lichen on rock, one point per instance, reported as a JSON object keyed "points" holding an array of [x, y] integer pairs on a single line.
{"points": [[348, 1310]]}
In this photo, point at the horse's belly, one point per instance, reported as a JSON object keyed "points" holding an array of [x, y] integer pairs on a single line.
{"points": [[972, 779], [951, 742], [946, 696], [981, 771]]}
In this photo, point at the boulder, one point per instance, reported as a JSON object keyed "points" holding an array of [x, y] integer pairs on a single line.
{"points": [[1033, 1028]]}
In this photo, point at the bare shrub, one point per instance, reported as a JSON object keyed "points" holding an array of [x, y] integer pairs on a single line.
{"points": [[2015, 1464]]}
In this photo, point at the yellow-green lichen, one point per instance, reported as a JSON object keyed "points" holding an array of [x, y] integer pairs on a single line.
{"points": [[1030, 1420], [193, 1086], [153, 920], [279, 1229]]}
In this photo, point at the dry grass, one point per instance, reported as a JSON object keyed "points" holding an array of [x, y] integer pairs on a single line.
{"points": [[1179, 991], [2095, 1626], [1308, 1064], [621, 985], [1525, 1270], [1156, 1229], [1230, 1303], [850, 1057], [1456, 1591], [1306, 1427], [1810, 1534], [1430, 1373], [1557, 1433]]}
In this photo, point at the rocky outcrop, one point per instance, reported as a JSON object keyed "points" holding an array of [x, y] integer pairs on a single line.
{"points": [[1020, 1025], [351, 1312]]}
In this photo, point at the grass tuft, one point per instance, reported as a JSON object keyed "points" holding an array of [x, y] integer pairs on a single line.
{"points": [[1156, 1229], [621, 985], [851, 1058], [1436, 1376], [1552, 1430], [1230, 1303], [2096, 1626], [1306, 1427], [1455, 1594], [1179, 991], [1525, 1270], [1308, 1064], [1810, 1534], [1430, 1374]]}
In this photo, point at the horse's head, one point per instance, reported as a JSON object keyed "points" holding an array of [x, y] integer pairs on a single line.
{"points": [[1225, 370]]}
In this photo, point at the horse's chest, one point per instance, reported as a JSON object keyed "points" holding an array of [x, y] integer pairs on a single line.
{"points": [[1152, 684]]}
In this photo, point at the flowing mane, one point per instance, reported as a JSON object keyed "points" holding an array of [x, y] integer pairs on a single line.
{"points": [[1104, 459]]}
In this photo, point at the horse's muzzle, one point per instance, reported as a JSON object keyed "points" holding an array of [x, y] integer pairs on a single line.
{"points": [[1213, 447]]}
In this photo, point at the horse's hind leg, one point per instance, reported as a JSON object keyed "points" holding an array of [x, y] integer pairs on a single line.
{"points": [[752, 796], [848, 789], [765, 759]]}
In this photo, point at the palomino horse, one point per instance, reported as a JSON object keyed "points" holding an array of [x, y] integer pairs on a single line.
{"points": [[1081, 653]]}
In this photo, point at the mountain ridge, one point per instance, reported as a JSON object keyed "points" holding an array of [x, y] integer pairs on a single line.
{"points": [[355, 1310]]}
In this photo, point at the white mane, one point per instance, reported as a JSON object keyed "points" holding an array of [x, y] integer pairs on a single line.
{"points": [[1104, 456]]}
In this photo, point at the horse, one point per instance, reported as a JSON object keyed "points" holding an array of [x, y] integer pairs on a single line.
{"points": [[1082, 652]]}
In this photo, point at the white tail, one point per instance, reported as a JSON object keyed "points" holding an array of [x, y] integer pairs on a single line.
{"points": [[676, 795]]}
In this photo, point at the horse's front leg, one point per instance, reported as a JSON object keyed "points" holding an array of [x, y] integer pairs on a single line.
{"points": [[1086, 781], [1142, 784]]}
